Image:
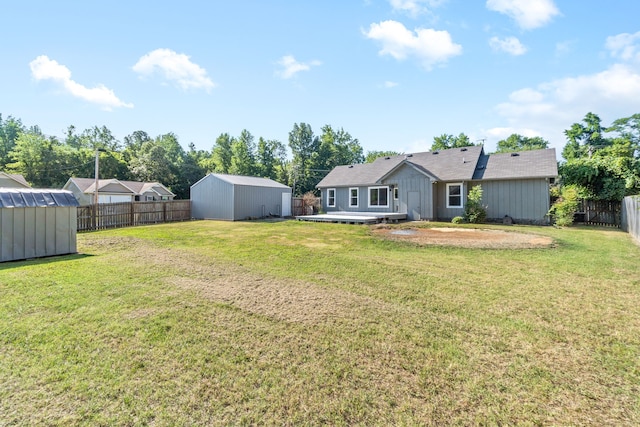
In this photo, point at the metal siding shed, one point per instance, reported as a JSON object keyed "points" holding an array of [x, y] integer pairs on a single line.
{"points": [[37, 223], [235, 197]]}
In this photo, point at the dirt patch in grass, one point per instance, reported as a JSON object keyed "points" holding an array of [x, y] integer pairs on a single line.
{"points": [[465, 237]]}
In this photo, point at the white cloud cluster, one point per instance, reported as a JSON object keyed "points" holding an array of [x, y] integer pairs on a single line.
{"points": [[175, 67], [291, 67], [552, 106], [624, 46], [429, 46], [510, 45], [415, 7], [43, 68], [528, 14]]}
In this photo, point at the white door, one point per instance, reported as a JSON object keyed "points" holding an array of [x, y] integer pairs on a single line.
{"points": [[286, 204]]}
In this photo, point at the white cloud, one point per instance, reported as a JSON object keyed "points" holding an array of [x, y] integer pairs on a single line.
{"points": [[564, 47], [553, 106], [429, 46], [290, 67], [43, 68], [390, 84], [175, 67], [624, 46], [528, 14], [415, 7], [510, 45]]}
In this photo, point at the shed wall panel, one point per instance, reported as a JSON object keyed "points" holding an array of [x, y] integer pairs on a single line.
{"points": [[256, 202], [212, 198]]}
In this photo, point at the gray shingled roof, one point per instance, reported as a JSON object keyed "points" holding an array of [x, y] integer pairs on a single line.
{"points": [[523, 164], [455, 164], [249, 181]]}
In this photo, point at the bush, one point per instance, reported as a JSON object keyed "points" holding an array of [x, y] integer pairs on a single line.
{"points": [[474, 212], [564, 208], [457, 220]]}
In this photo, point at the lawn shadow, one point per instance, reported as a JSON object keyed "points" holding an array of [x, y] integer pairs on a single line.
{"points": [[7, 265]]}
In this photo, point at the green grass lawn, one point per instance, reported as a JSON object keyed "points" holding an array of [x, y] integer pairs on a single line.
{"points": [[292, 323]]}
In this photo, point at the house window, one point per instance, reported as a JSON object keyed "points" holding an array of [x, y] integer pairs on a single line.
{"points": [[331, 197], [353, 197], [454, 195], [149, 198], [378, 197]]}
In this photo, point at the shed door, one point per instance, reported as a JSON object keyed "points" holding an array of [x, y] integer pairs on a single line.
{"points": [[286, 204], [413, 205]]}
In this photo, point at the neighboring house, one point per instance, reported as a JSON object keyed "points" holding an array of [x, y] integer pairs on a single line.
{"points": [[116, 191], [235, 197], [8, 180], [434, 185]]}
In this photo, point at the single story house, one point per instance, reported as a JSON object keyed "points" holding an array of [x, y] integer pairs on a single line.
{"points": [[236, 197], [11, 180], [116, 191], [434, 185]]}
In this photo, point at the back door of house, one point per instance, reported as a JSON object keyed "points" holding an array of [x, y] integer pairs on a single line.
{"points": [[413, 205]]}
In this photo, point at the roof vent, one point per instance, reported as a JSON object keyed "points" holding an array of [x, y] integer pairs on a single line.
{"points": [[515, 154], [463, 149], [435, 152], [409, 155], [387, 158], [350, 166]]}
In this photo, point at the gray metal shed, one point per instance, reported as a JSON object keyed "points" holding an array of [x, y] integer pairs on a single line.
{"points": [[36, 223], [235, 198]]}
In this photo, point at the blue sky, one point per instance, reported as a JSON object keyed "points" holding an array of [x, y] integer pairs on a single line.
{"points": [[393, 73]]}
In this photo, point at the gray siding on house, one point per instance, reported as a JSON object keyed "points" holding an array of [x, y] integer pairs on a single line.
{"points": [[342, 200], [444, 213], [212, 198], [524, 200], [415, 193]]}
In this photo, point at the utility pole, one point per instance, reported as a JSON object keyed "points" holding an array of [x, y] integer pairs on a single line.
{"points": [[95, 189]]}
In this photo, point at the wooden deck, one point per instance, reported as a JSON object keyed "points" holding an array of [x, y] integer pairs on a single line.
{"points": [[354, 217]]}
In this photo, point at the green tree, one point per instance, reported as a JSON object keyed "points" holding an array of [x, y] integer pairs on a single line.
{"points": [[516, 142], [243, 161], [303, 145], [373, 155], [584, 139], [270, 158], [446, 141], [221, 154], [10, 129]]}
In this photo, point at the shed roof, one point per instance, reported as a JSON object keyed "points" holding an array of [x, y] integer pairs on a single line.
{"points": [[35, 197], [251, 181], [87, 185]]}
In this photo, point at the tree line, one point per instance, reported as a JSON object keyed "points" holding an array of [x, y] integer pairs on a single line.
{"points": [[600, 162]]}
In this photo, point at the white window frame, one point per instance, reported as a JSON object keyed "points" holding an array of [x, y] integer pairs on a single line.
{"points": [[386, 188], [351, 196], [329, 197], [395, 193], [455, 184]]}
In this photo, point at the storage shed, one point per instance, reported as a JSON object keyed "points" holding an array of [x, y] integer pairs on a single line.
{"points": [[36, 223], [235, 197]]}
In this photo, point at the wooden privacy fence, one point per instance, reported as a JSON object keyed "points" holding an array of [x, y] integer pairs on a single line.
{"points": [[599, 212], [115, 215]]}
